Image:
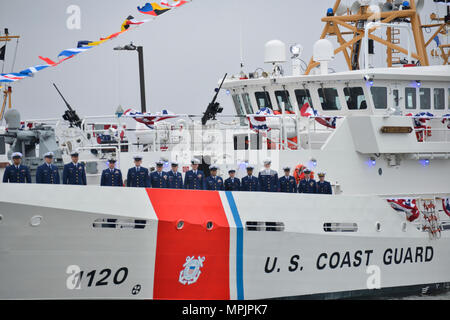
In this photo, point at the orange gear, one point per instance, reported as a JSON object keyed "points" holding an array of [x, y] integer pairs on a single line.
{"points": [[298, 173]]}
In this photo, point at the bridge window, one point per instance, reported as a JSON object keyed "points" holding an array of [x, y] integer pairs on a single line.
{"points": [[247, 103], [303, 97], [238, 104], [356, 100], [283, 97], [379, 95], [439, 99], [396, 95], [329, 98], [263, 99], [410, 98], [425, 98]]}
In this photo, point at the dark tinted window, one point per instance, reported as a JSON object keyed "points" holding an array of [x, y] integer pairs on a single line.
{"points": [[355, 98], [263, 99], [439, 99], [247, 103], [303, 96], [425, 98], [410, 98], [379, 96], [238, 104], [329, 99], [283, 97]]}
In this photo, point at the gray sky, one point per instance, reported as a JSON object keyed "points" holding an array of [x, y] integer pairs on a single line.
{"points": [[186, 51]]}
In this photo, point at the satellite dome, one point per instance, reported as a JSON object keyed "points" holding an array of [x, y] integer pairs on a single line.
{"points": [[323, 50], [275, 52], [12, 118]]}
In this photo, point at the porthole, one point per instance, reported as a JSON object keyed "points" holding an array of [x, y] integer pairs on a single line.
{"points": [[378, 226], [209, 225], [180, 224], [35, 221], [1, 218], [380, 171]]}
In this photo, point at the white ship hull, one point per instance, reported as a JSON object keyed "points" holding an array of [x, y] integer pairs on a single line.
{"points": [[53, 236]]}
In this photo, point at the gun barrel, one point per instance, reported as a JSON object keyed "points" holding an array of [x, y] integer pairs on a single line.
{"points": [[220, 87], [67, 104]]}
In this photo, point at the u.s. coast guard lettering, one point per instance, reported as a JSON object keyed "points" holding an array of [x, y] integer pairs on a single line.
{"points": [[191, 271], [353, 259]]}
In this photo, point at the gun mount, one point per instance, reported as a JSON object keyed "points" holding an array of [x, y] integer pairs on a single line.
{"points": [[69, 115], [213, 107], [26, 141]]}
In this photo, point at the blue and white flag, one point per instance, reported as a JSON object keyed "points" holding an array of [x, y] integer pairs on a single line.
{"points": [[29, 71], [73, 51], [11, 77]]}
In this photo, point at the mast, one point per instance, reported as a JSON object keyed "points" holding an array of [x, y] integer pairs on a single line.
{"points": [[343, 21]]}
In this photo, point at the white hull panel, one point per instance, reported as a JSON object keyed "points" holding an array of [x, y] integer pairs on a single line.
{"points": [[38, 262]]}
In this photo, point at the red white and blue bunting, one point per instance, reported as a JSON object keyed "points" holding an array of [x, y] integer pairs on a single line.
{"points": [[407, 206], [84, 46]]}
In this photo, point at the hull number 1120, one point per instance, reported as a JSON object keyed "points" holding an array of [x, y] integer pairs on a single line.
{"points": [[94, 278]]}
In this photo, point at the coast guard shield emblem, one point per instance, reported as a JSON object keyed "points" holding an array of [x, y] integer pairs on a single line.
{"points": [[191, 271]]}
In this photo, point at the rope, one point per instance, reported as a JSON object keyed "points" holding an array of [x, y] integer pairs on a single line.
{"points": [[15, 55]]}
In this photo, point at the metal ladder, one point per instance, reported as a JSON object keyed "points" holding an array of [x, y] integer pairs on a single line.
{"points": [[395, 39], [430, 218]]}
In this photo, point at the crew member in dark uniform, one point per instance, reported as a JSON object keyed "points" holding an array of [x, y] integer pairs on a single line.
{"points": [[47, 173], [287, 182], [174, 178], [111, 177], [214, 182], [74, 172], [250, 182], [138, 176], [158, 178], [323, 187], [16, 172], [268, 178], [307, 185], [194, 179], [232, 183]]}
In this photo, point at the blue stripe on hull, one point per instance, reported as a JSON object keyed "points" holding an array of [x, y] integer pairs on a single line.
{"points": [[239, 246]]}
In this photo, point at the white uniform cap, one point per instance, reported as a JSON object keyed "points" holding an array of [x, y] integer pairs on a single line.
{"points": [[267, 161], [74, 153], [195, 161], [174, 163], [49, 155], [16, 154], [213, 167], [286, 168], [137, 157]]}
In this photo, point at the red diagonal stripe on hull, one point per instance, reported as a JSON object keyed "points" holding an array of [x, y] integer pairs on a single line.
{"points": [[173, 246]]}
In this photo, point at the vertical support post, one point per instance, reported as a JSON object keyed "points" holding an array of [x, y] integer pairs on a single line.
{"points": [[418, 36], [140, 51], [388, 49]]}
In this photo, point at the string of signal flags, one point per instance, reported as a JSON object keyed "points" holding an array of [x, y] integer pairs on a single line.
{"points": [[152, 9]]}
